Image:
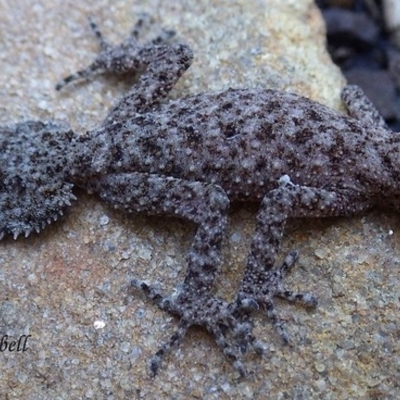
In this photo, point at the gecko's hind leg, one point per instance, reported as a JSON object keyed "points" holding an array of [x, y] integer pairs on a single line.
{"points": [[129, 56], [160, 64], [206, 311], [206, 205]]}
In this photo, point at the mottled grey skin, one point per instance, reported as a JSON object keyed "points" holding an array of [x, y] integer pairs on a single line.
{"points": [[189, 158], [34, 188]]}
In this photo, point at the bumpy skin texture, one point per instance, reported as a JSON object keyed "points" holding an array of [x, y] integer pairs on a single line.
{"points": [[189, 158], [33, 171]]}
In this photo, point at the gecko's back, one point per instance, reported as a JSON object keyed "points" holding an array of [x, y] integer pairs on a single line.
{"points": [[245, 140]]}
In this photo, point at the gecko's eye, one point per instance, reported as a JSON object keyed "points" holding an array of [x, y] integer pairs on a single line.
{"points": [[33, 168]]}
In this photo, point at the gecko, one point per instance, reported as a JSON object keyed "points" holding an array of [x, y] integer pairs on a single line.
{"points": [[190, 158]]}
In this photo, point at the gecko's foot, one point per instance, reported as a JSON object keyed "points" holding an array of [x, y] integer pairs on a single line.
{"points": [[260, 291], [202, 309], [127, 56]]}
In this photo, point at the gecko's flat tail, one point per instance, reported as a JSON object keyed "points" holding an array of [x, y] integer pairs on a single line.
{"points": [[33, 165]]}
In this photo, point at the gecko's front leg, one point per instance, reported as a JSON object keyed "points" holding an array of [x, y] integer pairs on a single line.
{"points": [[263, 278], [361, 108]]}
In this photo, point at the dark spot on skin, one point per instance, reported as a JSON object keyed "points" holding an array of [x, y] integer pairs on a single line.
{"points": [[227, 106], [228, 130]]}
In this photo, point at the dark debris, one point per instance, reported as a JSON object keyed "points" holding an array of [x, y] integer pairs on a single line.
{"points": [[362, 47]]}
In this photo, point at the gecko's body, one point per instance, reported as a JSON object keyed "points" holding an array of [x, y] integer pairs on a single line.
{"points": [[245, 140], [190, 157]]}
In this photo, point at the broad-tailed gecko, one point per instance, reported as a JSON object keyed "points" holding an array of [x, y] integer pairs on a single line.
{"points": [[191, 158]]}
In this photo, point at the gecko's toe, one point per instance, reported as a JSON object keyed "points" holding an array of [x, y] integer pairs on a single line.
{"points": [[154, 365], [263, 287], [231, 334]]}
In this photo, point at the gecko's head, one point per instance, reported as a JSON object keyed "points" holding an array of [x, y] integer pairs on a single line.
{"points": [[33, 169]]}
